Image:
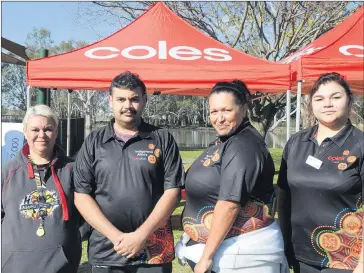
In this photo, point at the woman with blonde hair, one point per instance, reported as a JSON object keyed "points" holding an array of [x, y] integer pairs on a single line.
{"points": [[40, 224]]}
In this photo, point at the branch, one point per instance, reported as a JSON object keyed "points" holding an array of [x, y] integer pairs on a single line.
{"points": [[282, 98], [259, 27], [112, 4], [75, 105], [295, 34], [245, 15], [172, 113], [81, 96], [271, 51], [204, 26]]}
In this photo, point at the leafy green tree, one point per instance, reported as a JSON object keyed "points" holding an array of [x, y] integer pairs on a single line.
{"points": [[13, 86]]}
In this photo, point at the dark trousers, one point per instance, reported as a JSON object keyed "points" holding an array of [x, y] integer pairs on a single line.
{"points": [[143, 268], [305, 268]]}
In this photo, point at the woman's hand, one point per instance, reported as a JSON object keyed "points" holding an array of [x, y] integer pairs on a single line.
{"points": [[225, 213], [204, 265]]}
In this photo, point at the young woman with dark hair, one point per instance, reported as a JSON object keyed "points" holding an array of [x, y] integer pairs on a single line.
{"points": [[321, 186]]}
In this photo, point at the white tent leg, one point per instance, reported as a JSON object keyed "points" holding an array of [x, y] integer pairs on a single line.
{"points": [[69, 122], [29, 97], [288, 113], [298, 108]]}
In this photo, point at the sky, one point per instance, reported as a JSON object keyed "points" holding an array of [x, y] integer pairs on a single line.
{"points": [[61, 18], [65, 20]]}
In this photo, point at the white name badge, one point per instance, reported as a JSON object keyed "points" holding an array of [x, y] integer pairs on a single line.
{"points": [[314, 162]]}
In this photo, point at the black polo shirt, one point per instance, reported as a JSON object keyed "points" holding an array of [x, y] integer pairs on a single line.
{"points": [[127, 180], [319, 204], [237, 168]]}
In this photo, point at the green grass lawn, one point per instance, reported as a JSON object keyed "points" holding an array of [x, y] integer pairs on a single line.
{"points": [[188, 157], [277, 156]]}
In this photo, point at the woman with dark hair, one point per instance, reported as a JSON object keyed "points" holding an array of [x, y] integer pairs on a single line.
{"points": [[321, 185], [229, 215]]}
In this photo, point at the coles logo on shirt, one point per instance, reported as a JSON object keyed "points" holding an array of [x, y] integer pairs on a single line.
{"points": [[342, 160], [336, 158]]}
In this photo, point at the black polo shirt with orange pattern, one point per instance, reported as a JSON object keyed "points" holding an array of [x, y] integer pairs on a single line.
{"points": [[127, 179], [236, 168], [320, 198]]}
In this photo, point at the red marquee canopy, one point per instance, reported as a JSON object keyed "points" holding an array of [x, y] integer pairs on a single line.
{"points": [[168, 54], [339, 50]]}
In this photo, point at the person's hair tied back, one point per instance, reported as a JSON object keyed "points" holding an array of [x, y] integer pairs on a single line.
{"points": [[236, 87]]}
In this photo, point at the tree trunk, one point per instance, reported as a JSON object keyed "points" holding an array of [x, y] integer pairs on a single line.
{"points": [[262, 117], [206, 102], [305, 112], [88, 115], [260, 128], [88, 125]]}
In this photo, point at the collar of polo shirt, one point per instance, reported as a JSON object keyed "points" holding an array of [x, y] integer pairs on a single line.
{"points": [[339, 139], [143, 131]]}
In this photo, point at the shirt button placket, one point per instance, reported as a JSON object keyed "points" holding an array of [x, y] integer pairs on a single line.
{"points": [[324, 145]]}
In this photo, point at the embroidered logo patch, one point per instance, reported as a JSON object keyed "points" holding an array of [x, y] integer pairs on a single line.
{"points": [[157, 152], [207, 162], [342, 166], [351, 159], [30, 205], [216, 156], [143, 154], [341, 160], [152, 159], [210, 158], [336, 158]]}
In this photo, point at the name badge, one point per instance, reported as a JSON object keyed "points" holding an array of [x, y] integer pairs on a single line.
{"points": [[314, 162]]}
